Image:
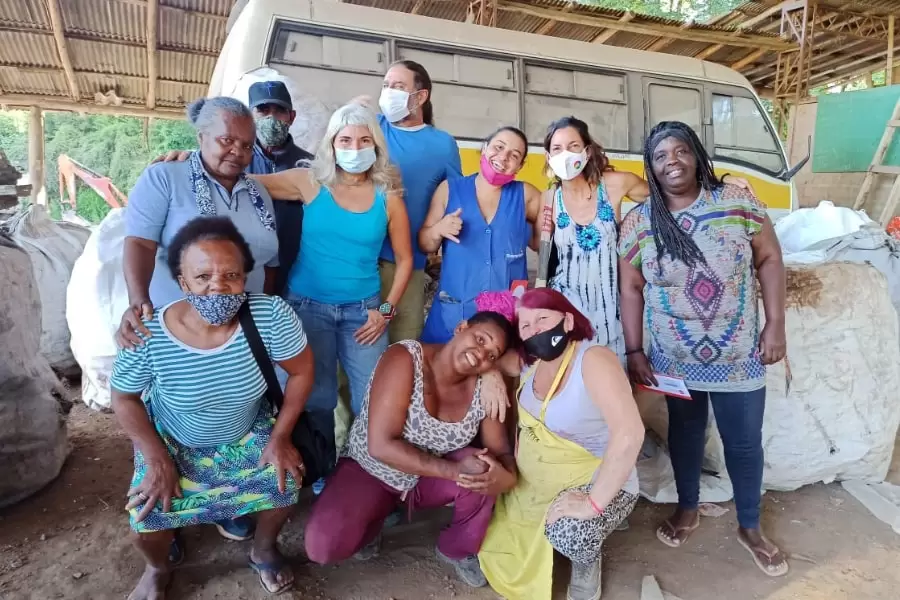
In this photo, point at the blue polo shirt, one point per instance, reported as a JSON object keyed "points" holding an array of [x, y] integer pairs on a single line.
{"points": [[425, 156]]}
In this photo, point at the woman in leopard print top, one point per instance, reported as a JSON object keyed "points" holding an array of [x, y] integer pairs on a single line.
{"points": [[411, 443]]}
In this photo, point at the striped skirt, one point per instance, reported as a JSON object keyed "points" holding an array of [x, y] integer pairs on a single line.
{"points": [[217, 482]]}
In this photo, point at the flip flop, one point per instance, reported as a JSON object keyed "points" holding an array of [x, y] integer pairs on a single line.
{"points": [[779, 571], [276, 566], [680, 535]]}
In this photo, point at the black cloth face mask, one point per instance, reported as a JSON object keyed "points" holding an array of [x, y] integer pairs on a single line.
{"points": [[548, 345]]}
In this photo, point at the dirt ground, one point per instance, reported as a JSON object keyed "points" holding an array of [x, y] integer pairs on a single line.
{"points": [[70, 541]]}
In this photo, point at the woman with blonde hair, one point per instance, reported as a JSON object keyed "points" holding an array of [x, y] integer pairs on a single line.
{"points": [[352, 202]]}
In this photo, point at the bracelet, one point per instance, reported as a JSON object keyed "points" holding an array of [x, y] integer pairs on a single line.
{"points": [[635, 351], [596, 508]]}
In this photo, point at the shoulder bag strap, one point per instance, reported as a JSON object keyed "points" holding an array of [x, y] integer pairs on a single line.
{"points": [[254, 340]]}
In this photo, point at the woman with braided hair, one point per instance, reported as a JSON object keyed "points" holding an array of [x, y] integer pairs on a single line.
{"points": [[692, 255]]}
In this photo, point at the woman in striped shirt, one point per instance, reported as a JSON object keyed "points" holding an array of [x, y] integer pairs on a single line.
{"points": [[207, 446]]}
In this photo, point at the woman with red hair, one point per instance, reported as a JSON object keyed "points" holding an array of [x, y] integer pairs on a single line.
{"points": [[578, 439]]}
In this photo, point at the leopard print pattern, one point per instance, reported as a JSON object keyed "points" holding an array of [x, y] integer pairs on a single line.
{"points": [[421, 430], [580, 540]]}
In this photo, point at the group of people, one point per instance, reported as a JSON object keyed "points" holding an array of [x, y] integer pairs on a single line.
{"points": [[218, 274]]}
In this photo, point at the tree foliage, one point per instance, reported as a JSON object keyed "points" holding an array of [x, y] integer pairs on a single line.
{"points": [[682, 10], [112, 146]]}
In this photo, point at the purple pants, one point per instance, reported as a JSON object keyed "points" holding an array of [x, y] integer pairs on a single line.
{"points": [[351, 511]]}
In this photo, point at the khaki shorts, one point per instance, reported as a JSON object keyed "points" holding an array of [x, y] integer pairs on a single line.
{"points": [[409, 319]]}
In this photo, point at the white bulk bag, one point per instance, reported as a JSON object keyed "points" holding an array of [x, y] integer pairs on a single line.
{"points": [[53, 248], [33, 442], [96, 299], [839, 418]]}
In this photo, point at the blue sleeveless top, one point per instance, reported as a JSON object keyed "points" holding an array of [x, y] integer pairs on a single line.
{"points": [[338, 259], [488, 257]]}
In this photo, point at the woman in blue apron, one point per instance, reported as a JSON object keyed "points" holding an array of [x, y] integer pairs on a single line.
{"points": [[483, 225]]}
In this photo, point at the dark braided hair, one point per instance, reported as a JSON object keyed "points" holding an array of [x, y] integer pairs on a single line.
{"points": [[670, 238]]}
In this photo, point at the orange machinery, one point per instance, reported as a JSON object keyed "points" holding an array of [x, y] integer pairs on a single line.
{"points": [[70, 170]]}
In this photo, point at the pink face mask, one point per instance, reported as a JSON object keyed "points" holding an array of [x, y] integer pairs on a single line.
{"points": [[492, 176]]}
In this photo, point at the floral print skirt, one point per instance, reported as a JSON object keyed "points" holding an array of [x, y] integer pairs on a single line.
{"points": [[217, 482]]}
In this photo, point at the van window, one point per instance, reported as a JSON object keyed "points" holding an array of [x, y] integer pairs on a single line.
{"points": [[596, 98], [741, 132], [473, 95], [674, 103]]}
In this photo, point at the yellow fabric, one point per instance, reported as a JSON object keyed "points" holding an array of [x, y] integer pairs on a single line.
{"points": [[516, 557]]}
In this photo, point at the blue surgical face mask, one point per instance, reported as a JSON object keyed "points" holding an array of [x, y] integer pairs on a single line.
{"points": [[355, 161], [217, 309]]}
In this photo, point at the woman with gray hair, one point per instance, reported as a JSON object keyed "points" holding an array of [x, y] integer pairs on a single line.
{"points": [[352, 202], [211, 182]]}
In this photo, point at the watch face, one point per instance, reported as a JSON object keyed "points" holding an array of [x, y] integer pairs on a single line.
{"points": [[385, 309]]}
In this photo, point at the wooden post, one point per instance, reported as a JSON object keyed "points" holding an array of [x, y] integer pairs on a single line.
{"points": [[889, 71], [36, 156]]}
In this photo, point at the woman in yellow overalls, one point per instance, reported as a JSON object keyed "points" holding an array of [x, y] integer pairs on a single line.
{"points": [[578, 440]]}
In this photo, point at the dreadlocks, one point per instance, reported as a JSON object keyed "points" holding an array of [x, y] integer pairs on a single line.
{"points": [[667, 233]]}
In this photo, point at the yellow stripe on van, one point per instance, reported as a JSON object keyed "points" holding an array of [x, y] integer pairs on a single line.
{"points": [[775, 194]]}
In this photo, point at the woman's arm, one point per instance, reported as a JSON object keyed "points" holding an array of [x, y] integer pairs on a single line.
{"points": [[534, 205], [609, 389], [401, 243], [292, 184], [770, 270], [392, 388], [631, 305], [434, 229], [301, 372]]}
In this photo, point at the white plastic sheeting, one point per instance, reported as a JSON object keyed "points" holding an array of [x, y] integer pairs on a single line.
{"points": [[53, 247], [96, 299], [33, 442], [840, 416]]}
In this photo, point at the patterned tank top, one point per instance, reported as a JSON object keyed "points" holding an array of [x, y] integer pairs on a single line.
{"points": [[421, 430]]}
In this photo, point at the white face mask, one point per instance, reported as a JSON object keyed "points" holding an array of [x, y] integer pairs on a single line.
{"points": [[568, 165], [355, 161], [394, 104]]}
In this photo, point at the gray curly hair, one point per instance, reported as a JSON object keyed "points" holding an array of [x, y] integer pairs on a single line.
{"points": [[202, 112]]}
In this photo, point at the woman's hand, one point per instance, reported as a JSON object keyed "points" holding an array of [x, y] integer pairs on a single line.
{"points": [[281, 453], [159, 485], [494, 481], [739, 182], [450, 225], [494, 396], [132, 324], [172, 156], [573, 504], [372, 329], [772, 343], [639, 369]]}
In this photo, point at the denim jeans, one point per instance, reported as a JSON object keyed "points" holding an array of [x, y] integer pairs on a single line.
{"points": [[329, 331], [739, 417]]}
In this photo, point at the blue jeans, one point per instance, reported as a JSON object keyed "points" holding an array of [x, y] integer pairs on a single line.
{"points": [[329, 331], [739, 417]]}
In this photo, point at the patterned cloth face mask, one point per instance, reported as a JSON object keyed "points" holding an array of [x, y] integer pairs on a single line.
{"points": [[271, 132], [217, 309]]}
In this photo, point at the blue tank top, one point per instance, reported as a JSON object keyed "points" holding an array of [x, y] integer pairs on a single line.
{"points": [[488, 257], [338, 259]]}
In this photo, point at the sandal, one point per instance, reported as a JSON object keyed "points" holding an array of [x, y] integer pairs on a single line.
{"points": [[679, 535], [772, 569], [275, 568]]}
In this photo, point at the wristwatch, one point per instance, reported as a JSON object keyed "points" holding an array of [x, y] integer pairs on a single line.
{"points": [[387, 311]]}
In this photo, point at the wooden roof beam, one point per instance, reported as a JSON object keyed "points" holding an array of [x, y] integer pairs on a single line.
{"points": [[651, 29], [761, 73], [550, 24], [844, 69], [417, 7], [749, 59], [607, 35], [62, 48], [66, 105], [709, 51], [152, 59], [664, 42]]}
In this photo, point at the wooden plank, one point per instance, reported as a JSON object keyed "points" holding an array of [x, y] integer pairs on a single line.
{"points": [[655, 30], [749, 59], [877, 160], [885, 170], [59, 36], [61, 104], [891, 204], [889, 73], [36, 155], [607, 35], [152, 57]]}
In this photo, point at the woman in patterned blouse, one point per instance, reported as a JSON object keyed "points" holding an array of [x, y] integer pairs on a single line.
{"points": [[691, 256]]}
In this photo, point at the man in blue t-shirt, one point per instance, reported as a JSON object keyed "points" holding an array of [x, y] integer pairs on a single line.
{"points": [[425, 156]]}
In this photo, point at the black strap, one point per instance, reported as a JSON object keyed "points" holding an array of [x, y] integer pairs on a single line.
{"points": [[254, 340]]}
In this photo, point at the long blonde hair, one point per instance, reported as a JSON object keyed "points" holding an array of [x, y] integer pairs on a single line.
{"points": [[324, 166]]}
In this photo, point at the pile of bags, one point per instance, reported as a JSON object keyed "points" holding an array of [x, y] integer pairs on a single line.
{"points": [[33, 442]]}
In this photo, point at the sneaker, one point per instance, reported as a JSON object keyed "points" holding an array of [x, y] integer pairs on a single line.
{"points": [[370, 550], [467, 569], [318, 486], [584, 583], [239, 529], [623, 526]]}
